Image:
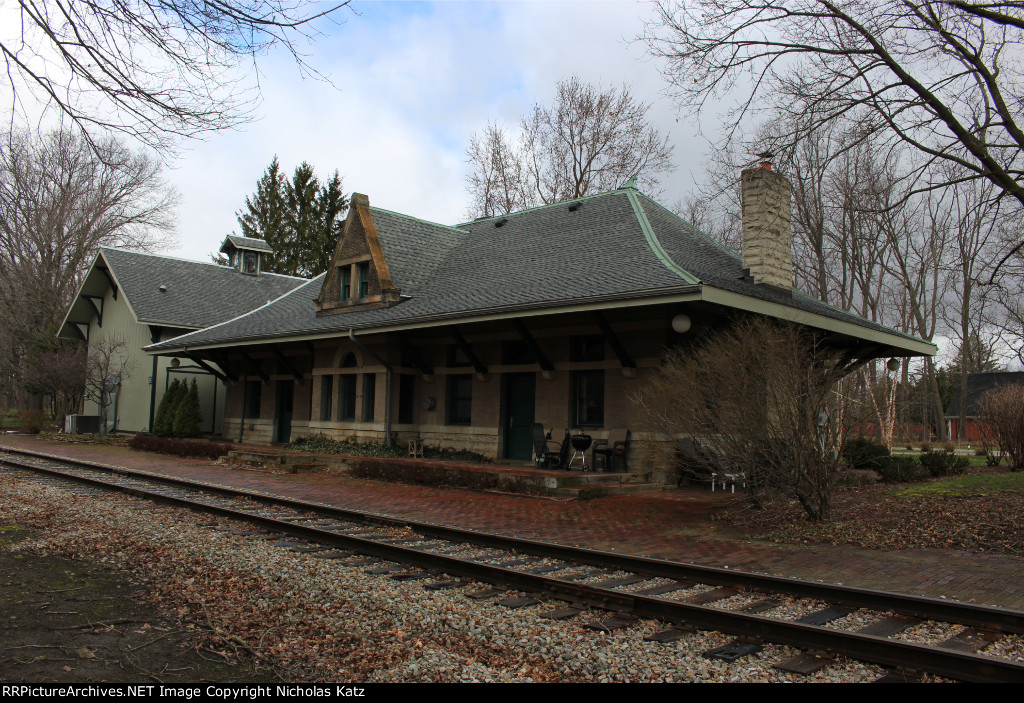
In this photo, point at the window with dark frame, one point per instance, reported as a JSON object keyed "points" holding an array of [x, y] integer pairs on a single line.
{"points": [[363, 270], [369, 396], [588, 398], [252, 399], [326, 397], [250, 262], [346, 282], [460, 399], [347, 398]]}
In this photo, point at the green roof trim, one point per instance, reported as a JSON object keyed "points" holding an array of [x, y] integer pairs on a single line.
{"points": [[652, 239], [538, 207], [695, 228], [417, 219]]}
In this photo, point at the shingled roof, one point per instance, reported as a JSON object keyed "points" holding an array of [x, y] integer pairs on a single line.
{"points": [[171, 292], [249, 243], [978, 384], [618, 245]]}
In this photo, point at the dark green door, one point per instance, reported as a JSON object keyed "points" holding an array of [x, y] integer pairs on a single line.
{"points": [[285, 392], [520, 393]]}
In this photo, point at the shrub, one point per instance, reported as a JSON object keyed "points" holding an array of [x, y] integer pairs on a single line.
{"points": [[864, 453], [943, 464], [949, 447], [902, 469], [188, 418], [178, 447], [926, 447], [1002, 412], [981, 451], [321, 444], [163, 424]]}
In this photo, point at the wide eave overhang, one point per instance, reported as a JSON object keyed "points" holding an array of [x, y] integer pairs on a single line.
{"points": [[881, 342]]}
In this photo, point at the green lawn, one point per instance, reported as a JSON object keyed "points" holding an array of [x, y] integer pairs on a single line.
{"points": [[984, 484]]}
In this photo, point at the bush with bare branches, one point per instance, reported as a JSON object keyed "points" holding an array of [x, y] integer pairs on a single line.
{"points": [[1002, 414], [762, 395]]}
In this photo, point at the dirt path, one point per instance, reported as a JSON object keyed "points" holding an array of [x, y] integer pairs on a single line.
{"points": [[82, 621]]}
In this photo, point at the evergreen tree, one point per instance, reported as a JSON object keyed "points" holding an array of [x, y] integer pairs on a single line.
{"points": [[299, 218], [188, 418], [163, 424], [265, 211]]}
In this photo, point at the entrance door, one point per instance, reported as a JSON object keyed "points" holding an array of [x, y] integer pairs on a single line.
{"points": [[520, 396], [285, 393]]}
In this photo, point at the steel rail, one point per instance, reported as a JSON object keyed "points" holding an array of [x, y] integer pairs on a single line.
{"points": [[967, 667], [958, 665], [987, 617]]}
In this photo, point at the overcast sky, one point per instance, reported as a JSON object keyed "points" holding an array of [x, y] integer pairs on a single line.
{"points": [[414, 80]]}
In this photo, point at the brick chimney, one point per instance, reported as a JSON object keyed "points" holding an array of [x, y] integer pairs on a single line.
{"points": [[767, 234]]}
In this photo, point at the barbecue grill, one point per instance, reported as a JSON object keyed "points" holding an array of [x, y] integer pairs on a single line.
{"points": [[580, 444]]}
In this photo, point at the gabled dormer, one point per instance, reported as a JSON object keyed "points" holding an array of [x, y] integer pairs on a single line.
{"points": [[245, 254], [358, 277]]}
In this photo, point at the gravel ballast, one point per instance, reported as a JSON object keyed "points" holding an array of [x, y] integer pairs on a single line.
{"points": [[314, 619]]}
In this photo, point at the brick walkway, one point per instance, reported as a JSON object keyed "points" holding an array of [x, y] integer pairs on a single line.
{"points": [[668, 525]]}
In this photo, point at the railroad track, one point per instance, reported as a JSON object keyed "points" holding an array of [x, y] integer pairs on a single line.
{"points": [[684, 596]]}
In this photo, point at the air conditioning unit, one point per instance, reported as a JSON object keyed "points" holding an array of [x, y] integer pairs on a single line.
{"points": [[82, 424]]}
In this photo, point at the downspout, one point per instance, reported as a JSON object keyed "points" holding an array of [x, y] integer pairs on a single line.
{"points": [[154, 336], [387, 385]]}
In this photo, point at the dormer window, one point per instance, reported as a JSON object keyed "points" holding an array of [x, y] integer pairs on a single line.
{"points": [[364, 279], [346, 282], [358, 278], [245, 254]]}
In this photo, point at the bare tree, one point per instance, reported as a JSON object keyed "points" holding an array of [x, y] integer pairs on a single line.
{"points": [[58, 372], [60, 199], [1002, 413], [154, 70], [108, 365], [592, 139], [763, 395], [942, 77]]}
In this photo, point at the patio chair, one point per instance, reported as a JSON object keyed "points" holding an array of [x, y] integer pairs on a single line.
{"points": [[547, 452], [614, 447]]}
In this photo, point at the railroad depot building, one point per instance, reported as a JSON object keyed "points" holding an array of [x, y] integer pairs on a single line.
{"points": [[141, 298], [467, 335]]}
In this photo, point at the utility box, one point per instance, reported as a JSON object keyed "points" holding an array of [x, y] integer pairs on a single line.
{"points": [[82, 424]]}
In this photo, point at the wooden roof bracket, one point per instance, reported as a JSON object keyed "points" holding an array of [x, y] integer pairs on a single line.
{"points": [[96, 309], [209, 369], [547, 368], [288, 365], [467, 349], [625, 360], [254, 368], [221, 360], [110, 279], [425, 369]]}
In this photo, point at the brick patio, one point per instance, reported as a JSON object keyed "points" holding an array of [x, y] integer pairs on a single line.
{"points": [[667, 525]]}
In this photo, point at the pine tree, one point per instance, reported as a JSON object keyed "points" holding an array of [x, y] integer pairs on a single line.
{"points": [[297, 217], [188, 420], [163, 424]]}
